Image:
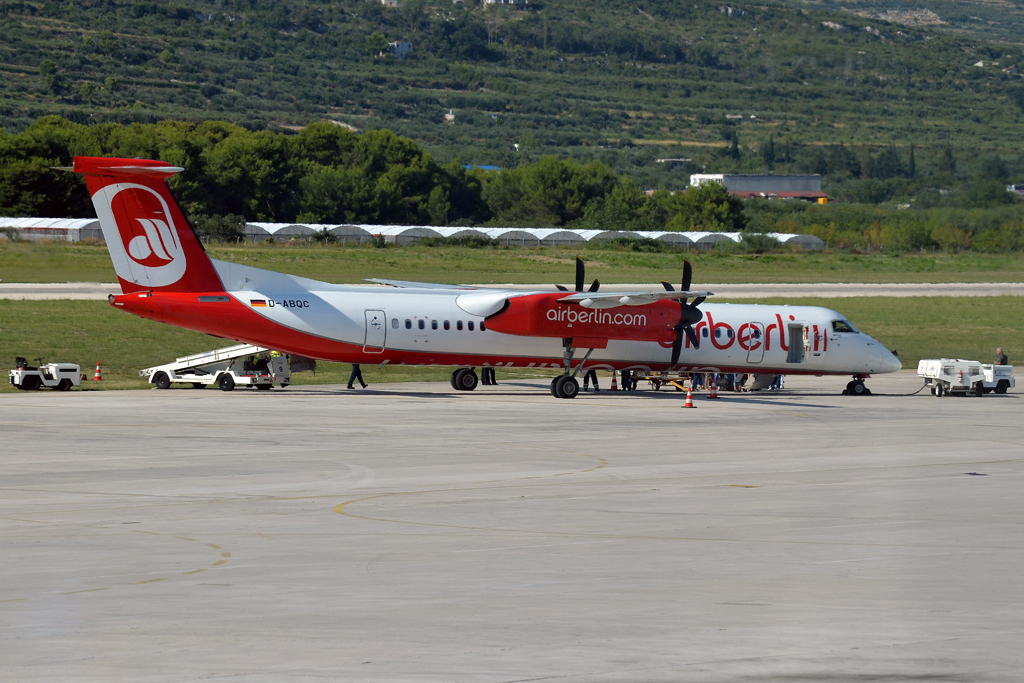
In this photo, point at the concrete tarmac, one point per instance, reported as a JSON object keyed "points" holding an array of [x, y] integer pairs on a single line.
{"points": [[830, 290], [413, 533]]}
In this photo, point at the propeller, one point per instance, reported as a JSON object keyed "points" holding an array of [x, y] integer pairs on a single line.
{"points": [[689, 315], [581, 276]]}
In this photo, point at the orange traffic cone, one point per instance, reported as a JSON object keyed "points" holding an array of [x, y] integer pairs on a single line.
{"points": [[615, 380], [689, 397], [714, 389], [99, 375]]}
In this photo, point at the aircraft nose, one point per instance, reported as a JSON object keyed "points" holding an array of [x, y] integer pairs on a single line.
{"points": [[890, 363]]}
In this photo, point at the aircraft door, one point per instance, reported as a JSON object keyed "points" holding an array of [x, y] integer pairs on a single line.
{"points": [[797, 343], [751, 336], [816, 340], [376, 332]]}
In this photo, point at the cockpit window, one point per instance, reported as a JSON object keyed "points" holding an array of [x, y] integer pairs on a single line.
{"points": [[842, 326]]}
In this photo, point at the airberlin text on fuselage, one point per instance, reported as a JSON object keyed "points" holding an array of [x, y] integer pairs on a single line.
{"points": [[748, 336], [574, 315]]}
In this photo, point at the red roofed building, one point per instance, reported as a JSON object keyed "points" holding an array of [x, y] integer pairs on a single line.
{"points": [[805, 187]]}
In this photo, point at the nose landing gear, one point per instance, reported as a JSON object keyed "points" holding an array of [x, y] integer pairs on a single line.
{"points": [[856, 387]]}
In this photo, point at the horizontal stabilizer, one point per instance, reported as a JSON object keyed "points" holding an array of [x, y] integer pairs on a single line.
{"points": [[408, 284]]}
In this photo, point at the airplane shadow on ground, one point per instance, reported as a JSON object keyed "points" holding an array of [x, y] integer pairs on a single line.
{"points": [[516, 390]]}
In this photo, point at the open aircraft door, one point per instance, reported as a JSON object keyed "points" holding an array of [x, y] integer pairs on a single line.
{"points": [[376, 331], [751, 337], [798, 342]]}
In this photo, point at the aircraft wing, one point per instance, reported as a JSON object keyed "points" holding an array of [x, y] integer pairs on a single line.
{"points": [[408, 284], [613, 299]]}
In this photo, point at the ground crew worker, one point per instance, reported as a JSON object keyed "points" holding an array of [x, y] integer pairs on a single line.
{"points": [[591, 376], [357, 374], [627, 380], [1001, 358], [487, 377]]}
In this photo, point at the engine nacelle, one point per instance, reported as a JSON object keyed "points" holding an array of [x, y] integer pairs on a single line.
{"points": [[540, 315]]}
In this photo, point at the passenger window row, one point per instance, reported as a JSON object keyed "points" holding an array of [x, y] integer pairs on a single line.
{"points": [[422, 324]]}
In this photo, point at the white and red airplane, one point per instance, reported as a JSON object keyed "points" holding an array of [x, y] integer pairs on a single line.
{"points": [[166, 275]]}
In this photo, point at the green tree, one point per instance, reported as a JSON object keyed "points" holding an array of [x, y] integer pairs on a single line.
{"points": [[707, 207], [984, 193], [947, 164], [626, 207], [550, 192], [376, 44]]}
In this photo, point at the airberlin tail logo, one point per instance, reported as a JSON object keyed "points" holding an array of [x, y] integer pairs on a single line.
{"points": [[153, 248], [140, 232]]}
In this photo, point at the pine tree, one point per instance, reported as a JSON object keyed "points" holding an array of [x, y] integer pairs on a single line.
{"points": [[948, 163]]}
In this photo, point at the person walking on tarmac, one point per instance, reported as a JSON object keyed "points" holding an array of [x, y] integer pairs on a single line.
{"points": [[357, 374], [591, 376], [487, 377], [1001, 358]]}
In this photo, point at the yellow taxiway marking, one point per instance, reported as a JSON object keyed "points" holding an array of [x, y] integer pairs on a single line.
{"points": [[14, 600], [218, 563], [163, 578], [87, 590], [18, 519], [194, 571]]}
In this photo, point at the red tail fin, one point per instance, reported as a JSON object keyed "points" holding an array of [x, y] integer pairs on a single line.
{"points": [[151, 243]]}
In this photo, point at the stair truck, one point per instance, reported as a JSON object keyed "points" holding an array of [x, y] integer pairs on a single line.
{"points": [[239, 365]]}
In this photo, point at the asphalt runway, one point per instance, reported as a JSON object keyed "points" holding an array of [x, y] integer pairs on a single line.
{"points": [[412, 533], [100, 291]]}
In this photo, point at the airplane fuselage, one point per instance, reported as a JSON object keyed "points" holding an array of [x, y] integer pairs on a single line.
{"points": [[410, 326]]}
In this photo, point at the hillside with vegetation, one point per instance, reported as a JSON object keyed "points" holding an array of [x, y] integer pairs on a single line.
{"points": [[891, 114], [625, 83]]}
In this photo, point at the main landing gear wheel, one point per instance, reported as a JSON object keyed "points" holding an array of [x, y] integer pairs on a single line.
{"points": [[567, 387], [226, 382], [464, 379], [554, 385], [162, 381]]}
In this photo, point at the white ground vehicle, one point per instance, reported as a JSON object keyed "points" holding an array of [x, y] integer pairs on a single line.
{"points": [[240, 365], [957, 376], [59, 376]]}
